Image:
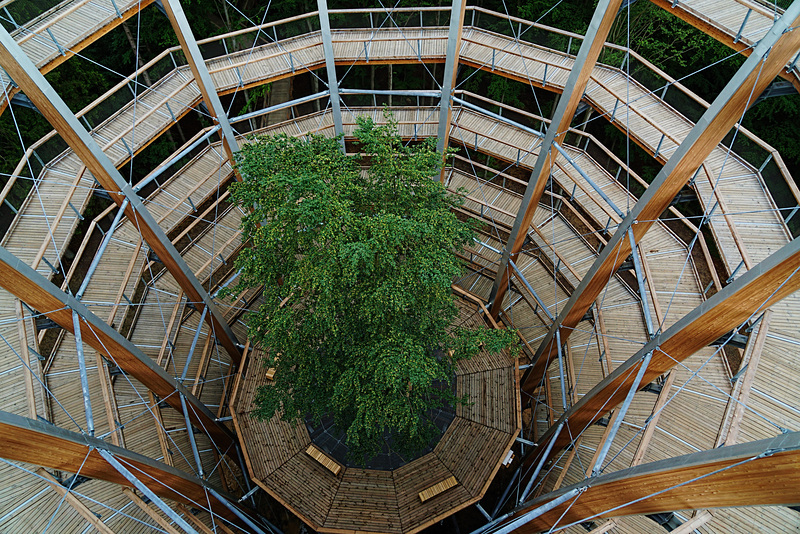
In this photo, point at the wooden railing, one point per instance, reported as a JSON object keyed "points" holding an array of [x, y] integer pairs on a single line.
{"points": [[171, 59]]}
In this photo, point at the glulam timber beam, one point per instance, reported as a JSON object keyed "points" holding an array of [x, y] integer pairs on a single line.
{"points": [[52, 107], [19, 279], [759, 473], [330, 68], [592, 45], [773, 51], [759, 288], [455, 30], [38, 443], [200, 72]]}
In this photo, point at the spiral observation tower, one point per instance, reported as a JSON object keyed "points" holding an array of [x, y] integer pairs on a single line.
{"points": [[657, 387]]}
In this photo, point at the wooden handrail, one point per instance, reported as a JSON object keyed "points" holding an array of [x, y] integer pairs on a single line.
{"points": [[761, 9], [38, 29], [671, 81], [525, 22]]}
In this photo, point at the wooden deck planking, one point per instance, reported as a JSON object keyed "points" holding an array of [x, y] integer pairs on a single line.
{"points": [[307, 485], [278, 440], [74, 24], [554, 56], [724, 21], [366, 501], [585, 353], [62, 378], [753, 520], [473, 452], [413, 478], [494, 411], [647, 132]]}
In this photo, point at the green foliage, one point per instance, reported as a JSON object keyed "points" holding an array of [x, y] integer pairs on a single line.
{"points": [[365, 260]]}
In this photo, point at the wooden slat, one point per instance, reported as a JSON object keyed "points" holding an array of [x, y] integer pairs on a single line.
{"points": [[76, 503], [770, 282], [718, 121], [155, 516], [37, 443], [21, 280]]}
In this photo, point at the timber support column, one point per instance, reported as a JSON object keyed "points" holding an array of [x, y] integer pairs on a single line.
{"points": [[774, 50], [46, 445], [201, 75], [330, 67], [22, 70], [22, 281], [448, 83], [592, 45]]}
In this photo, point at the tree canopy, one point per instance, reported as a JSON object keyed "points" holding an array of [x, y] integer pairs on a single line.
{"points": [[356, 264]]}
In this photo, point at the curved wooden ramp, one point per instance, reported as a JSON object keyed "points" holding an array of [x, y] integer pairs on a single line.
{"points": [[653, 130], [66, 29], [738, 24]]}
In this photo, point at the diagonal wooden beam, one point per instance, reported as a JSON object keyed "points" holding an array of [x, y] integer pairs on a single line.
{"points": [[652, 422], [18, 278], [773, 51], [694, 523], [76, 503], [592, 45], [201, 75], [22, 332], [759, 473], [768, 282], [741, 393], [38, 443], [155, 516], [52, 107], [454, 33]]}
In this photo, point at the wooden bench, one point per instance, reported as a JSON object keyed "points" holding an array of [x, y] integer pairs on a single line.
{"points": [[436, 489], [329, 463], [271, 371]]}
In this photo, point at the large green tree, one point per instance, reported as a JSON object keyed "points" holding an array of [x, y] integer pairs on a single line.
{"points": [[356, 256]]}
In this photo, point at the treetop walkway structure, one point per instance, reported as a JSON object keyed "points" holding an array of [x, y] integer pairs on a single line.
{"points": [[656, 383]]}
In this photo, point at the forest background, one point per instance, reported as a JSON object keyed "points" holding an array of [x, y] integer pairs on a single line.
{"points": [[703, 64]]}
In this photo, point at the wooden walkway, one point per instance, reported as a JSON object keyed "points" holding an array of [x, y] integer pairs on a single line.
{"points": [[739, 24], [653, 124], [365, 500], [66, 29], [129, 398], [618, 326], [174, 94]]}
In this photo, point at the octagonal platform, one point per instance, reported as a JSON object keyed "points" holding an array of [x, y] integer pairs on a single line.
{"points": [[336, 498]]}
